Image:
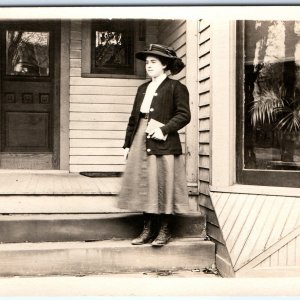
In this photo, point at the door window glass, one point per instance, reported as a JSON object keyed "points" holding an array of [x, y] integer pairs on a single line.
{"points": [[27, 53]]}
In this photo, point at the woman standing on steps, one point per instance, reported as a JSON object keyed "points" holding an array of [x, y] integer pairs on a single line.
{"points": [[154, 181]]}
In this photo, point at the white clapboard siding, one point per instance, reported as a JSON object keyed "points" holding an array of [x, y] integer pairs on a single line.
{"points": [[170, 27], [102, 90], [96, 168], [112, 126], [96, 134], [75, 45], [91, 117], [75, 62], [96, 160], [204, 60], [105, 82], [102, 99], [204, 86], [204, 112], [204, 48], [204, 99], [203, 74], [181, 53], [101, 108], [204, 125], [204, 149], [96, 143], [75, 53], [75, 72], [99, 112], [205, 35], [96, 151]]}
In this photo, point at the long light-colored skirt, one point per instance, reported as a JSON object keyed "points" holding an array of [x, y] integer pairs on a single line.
{"points": [[153, 184]]}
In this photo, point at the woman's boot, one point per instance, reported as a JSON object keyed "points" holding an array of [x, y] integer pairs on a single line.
{"points": [[164, 234], [148, 234]]}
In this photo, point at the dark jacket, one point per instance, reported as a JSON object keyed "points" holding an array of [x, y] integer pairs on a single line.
{"points": [[170, 106]]}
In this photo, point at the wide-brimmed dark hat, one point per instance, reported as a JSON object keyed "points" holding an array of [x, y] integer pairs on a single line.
{"points": [[158, 50]]}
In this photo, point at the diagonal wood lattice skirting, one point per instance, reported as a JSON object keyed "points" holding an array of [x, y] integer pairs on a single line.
{"points": [[260, 232]]}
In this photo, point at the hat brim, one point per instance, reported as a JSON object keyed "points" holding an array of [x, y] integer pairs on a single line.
{"points": [[143, 54]]}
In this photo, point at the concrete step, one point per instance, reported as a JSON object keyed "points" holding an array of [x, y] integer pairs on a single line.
{"points": [[67, 203], [82, 258], [87, 227]]}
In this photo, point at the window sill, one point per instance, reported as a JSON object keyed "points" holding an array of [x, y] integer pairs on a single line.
{"points": [[117, 76], [258, 190]]}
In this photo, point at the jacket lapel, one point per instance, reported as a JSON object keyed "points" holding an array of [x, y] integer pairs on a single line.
{"points": [[143, 92], [164, 82], [141, 96]]}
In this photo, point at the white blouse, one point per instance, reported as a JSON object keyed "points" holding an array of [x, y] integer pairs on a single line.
{"points": [[150, 92]]}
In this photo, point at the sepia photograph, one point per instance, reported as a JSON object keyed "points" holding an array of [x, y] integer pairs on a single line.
{"points": [[150, 151]]}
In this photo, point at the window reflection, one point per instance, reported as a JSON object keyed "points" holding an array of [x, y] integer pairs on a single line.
{"points": [[27, 53], [272, 95], [110, 48]]}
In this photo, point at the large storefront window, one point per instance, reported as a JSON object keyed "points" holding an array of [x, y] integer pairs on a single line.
{"points": [[268, 143]]}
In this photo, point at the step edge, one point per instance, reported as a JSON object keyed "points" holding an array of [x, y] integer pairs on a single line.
{"points": [[105, 244], [83, 216]]}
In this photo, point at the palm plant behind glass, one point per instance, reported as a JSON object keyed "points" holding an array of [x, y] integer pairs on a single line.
{"points": [[273, 82], [274, 107]]}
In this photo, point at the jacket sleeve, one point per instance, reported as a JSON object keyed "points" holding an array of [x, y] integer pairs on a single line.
{"points": [[182, 113], [131, 124]]}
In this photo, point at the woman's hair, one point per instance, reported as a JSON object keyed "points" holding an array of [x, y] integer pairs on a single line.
{"points": [[174, 65]]}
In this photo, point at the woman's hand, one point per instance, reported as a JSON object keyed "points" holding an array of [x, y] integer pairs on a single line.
{"points": [[157, 134], [126, 151]]}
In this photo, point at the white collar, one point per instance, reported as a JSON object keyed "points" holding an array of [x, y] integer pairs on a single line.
{"points": [[159, 79]]}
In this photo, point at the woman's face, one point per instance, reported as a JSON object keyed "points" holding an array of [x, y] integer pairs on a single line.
{"points": [[154, 67]]}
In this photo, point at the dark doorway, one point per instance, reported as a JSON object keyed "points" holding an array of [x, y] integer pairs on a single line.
{"points": [[30, 63]]}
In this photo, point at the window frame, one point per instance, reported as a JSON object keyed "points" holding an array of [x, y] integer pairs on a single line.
{"points": [[253, 176], [139, 45]]}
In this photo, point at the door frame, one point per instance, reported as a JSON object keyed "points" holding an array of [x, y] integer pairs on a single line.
{"points": [[55, 28]]}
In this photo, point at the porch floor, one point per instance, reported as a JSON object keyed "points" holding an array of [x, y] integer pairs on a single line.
{"points": [[57, 184]]}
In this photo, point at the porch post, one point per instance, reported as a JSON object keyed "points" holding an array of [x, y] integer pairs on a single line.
{"points": [[223, 103], [65, 95]]}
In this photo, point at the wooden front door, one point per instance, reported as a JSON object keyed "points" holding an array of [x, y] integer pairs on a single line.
{"points": [[30, 95]]}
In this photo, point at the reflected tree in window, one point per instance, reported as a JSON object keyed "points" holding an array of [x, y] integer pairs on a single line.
{"points": [[112, 46], [109, 48], [27, 53], [272, 95]]}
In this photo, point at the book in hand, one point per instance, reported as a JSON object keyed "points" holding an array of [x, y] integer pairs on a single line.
{"points": [[153, 124]]}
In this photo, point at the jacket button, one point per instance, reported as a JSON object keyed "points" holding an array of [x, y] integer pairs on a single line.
{"points": [[151, 109], [148, 136], [148, 150]]}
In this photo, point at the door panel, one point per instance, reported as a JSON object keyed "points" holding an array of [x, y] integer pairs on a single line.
{"points": [[27, 110], [27, 131], [29, 51]]}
